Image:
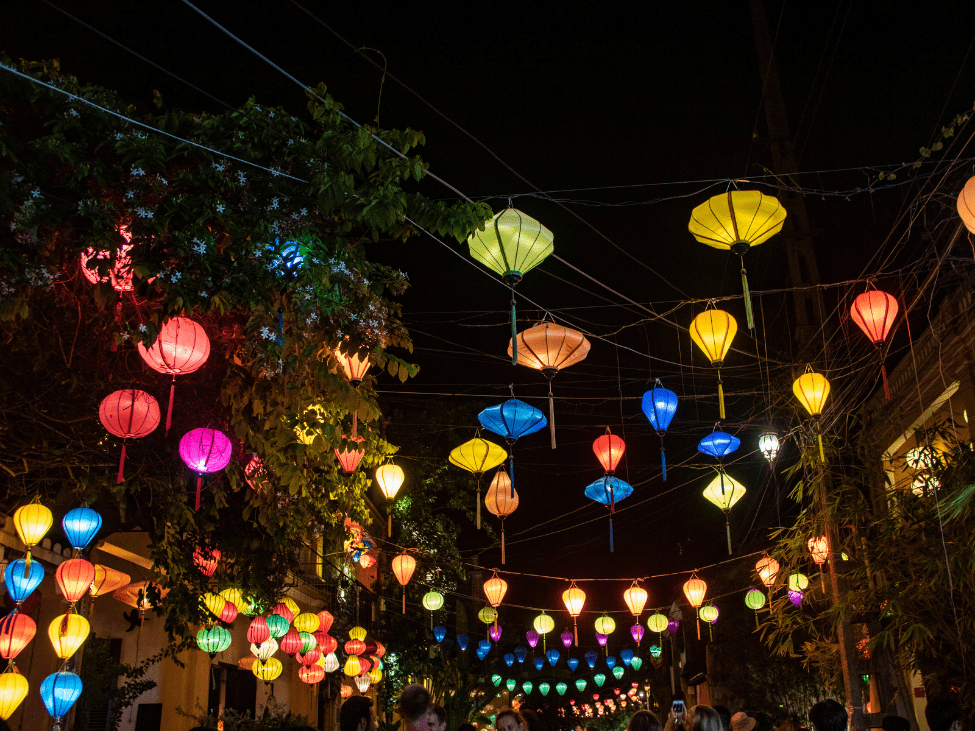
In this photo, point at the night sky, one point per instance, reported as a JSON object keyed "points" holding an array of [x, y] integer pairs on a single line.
{"points": [[631, 115]]}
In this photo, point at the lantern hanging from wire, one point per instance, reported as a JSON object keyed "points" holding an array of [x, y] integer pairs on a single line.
{"points": [[754, 599], [657, 622], [432, 601], [874, 312], [13, 690], [258, 631], [724, 491], [768, 445], [636, 599], [709, 613], [32, 522], [213, 640], [59, 691], [609, 450], [659, 405], [311, 674], [494, 632], [107, 580], [80, 526], [128, 414], [511, 244], [512, 420], [477, 456], [768, 569], [403, 566], [532, 637], [350, 456], [488, 615], [966, 205], [608, 491], [736, 221], [601, 639], [182, 347], [325, 617], [567, 638], [718, 444], [553, 657], [591, 658], [812, 390], [269, 670], [16, 631], [501, 500], [205, 451], [549, 348], [355, 368], [573, 663], [819, 549], [495, 589], [390, 478], [574, 599], [712, 331], [308, 622], [694, 590]]}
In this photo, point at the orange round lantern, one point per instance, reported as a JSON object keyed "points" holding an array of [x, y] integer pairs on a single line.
{"points": [[74, 578], [574, 599], [107, 580], [501, 499], [311, 674], [355, 647], [366, 561], [874, 312], [247, 662], [966, 205], [326, 642], [636, 599], [768, 569], [182, 347], [206, 560], [350, 458], [712, 331], [128, 414], [609, 450], [494, 589], [403, 566], [16, 632], [345, 691]]}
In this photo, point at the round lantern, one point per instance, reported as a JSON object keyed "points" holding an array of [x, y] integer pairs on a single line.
{"points": [[181, 347], [357, 633], [724, 491], [966, 205], [205, 451], [709, 613], [59, 691], [235, 597], [80, 526], [712, 331], [67, 633], [325, 617], [309, 658], [13, 690], [812, 390], [798, 582], [636, 599], [326, 642], [74, 578], [403, 566], [22, 577], [477, 456], [657, 622], [543, 624], [754, 599], [128, 414], [206, 560], [501, 500], [308, 622], [16, 632], [268, 670], [768, 445], [311, 674], [874, 312], [494, 589], [488, 615], [31, 522], [291, 643], [265, 649], [345, 691], [605, 625], [214, 603], [352, 666], [694, 590], [258, 631], [819, 548], [213, 640], [659, 405], [512, 420], [354, 647], [433, 600], [768, 569], [107, 580]]}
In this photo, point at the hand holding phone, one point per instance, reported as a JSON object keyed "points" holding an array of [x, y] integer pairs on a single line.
{"points": [[677, 711]]}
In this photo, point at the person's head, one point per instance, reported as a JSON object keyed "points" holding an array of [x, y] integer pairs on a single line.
{"points": [[725, 715], [415, 707], [895, 723], [509, 720], [702, 718], [942, 714], [741, 721], [356, 714], [532, 720], [828, 715], [441, 713], [644, 721]]}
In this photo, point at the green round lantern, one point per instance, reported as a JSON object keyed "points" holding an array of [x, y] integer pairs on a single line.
{"points": [[278, 625], [213, 640], [636, 663], [754, 599], [560, 688], [709, 613], [580, 685], [527, 687], [798, 582], [510, 684], [496, 679], [544, 688], [599, 679], [657, 622], [308, 641], [618, 672], [432, 600], [655, 651], [487, 615]]}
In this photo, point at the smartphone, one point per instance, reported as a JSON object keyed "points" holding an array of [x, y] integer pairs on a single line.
{"points": [[678, 710]]}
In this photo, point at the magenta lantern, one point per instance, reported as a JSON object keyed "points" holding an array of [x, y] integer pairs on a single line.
{"points": [[205, 450], [566, 638], [673, 625], [495, 632], [532, 637], [636, 631], [602, 639]]}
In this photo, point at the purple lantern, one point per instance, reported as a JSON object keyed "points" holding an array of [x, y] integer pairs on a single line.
{"points": [[532, 637], [795, 597], [566, 638], [602, 639], [636, 631], [673, 625], [495, 632], [205, 450]]}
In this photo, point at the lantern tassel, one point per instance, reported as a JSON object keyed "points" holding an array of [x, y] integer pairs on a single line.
{"points": [[511, 460], [551, 413], [27, 565], [404, 600], [727, 526], [502, 543], [749, 317], [355, 424], [756, 619], [280, 325], [698, 628], [389, 528], [663, 461], [169, 411], [822, 454], [121, 465], [611, 533], [883, 374], [514, 329], [575, 630], [199, 485], [720, 397], [479, 502]]}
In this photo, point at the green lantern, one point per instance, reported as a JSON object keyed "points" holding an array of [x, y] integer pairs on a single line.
{"points": [[657, 622], [560, 688], [544, 688], [636, 663], [213, 640], [496, 679], [580, 685], [755, 599], [308, 641], [655, 650], [510, 684], [432, 600], [527, 687], [599, 679], [618, 672], [278, 625]]}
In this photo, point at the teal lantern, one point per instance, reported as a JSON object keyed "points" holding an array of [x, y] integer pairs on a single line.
{"points": [[544, 688], [213, 640], [308, 642], [527, 687], [599, 679], [618, 672], [655, 650], [636, 663], [510, 684], [278, 625], [496, 679], [580, 685], [560, 688]]}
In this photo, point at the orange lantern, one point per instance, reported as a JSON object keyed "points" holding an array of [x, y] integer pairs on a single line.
{"points": [[311, 674], [182, 347], [350, 458], [325, 620], [501, 500], [874, 312], [966, 205], [694, 590], [768, 569], [636, 599], [403, 566], [390, 478], [206, 560], [367, 561], [819, 548], [74, 578], [712, 331], [128, 414], [812, 390], [345, 691], [609, 450], [247, 662], [574, 599], [494, 589], [107, 580], [120, 272], [16, 632], [355, 647]]}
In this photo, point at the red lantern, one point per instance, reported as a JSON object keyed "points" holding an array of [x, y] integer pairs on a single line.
{"points": [[129, 414], [609, 450], [380, 649], [16, 632], [325, 620], [291, 642], [229, 613], [74, 578], [355, 647], [258, 631], [310, 657], [364, 665], [350, 458], [206, 560], [311, 674], [874, 312], [283, 610], [182, 347], [120, 273], [326, 642]]}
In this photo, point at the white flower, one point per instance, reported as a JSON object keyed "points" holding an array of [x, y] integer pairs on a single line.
{"points": [[142, 328], [73, 112], [200, 248], [130, 195], [241, 177], [17, 179], [271, 114], [219, 207], [304, 211], [125, 336], [144, 212], [138, 171], [267, 333], [36, 193], [163, 181], [175, 276], [217, 166]]}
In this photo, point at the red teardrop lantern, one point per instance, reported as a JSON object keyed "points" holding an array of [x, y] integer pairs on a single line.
{"points": [[283, 610], [229, 613], [74, 578], [206, 560], [350, 458], [310, 657], [325, 620], [874, 312], [182, 347], [326, 642], [609, 450], [16, 632], [258, 631], [129, 414], [291, 642]]}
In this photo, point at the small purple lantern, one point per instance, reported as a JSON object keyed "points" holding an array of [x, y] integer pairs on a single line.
{"points": [[532, 637], [636, 631], [566, 638], [602, 639], [795, 597], [673, 625], [495, 632], [205, 450]]}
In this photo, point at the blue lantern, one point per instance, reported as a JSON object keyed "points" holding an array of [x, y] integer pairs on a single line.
{"points": [[610, 662], [481, 654], [608, 491], [591, 658], [59, 692], [573, 664], [439, 632], [626, 656], [521, 653], [539, 663], [553, 657], [660, 405], [447, 645], [80, 526], [512, 419], [718, 444], [484, 646], [462, 642], [509, 659], [18, 586]]}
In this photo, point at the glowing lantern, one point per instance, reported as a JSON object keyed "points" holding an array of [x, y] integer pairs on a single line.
{"points": [[107, 580], [580, 685], [235, 597], [543, 624], [494, 589], [325, 617], [512, 420], [636, 632], [539, 663], [205, 451], [709, 613], [544, 688], [819, 548], [352, 666], [136, 595], [768, 445], [501, 500], [496, 679], [213, 640], [509, 658], [532, 637], [59, 691], [599, 679], [128, 414], [768, 569], [13, 690], [16, 632], [735, 221], [22, 581], [362, 682], [345, 691], [326, 642], [618, 673], [694, 590], [874, 312], [182, 347], [390, 479], [511, 244], [214, 603], [287, 608], [812, 390], [549, 348], [265, 649], [74, 578], [712, 331], [258, 631], [966, 205], [636, 599], [229, 612], [291, 643], [31, 522], [718, 444], [311, 674], [605, 625], [477, 456], [608, 491], [798, 582], [657, 622], [795, 596], [80, 526], [560, 688], [488, 615], [67, 633], [206, 560], [724, 491], [355, 647], [572, 663], [566, 638], [609, 450], [522, 652], [439, 633], [754, 599], [354, 367], [527, 686], [308, 622], [403, 566], [331, 663], [269, 670], [350, 458], [433, 600], [610, 662], [659, 405], [311, 657]]}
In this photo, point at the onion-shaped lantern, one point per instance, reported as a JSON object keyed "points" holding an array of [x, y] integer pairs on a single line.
{"points": [[874, 312], [265, 649], [67, 633], [182, 347], [561, 688], [80, 526], [308, 622], [636, 599], [768, 445], [13, 690], [258, 631], [657, 622], [390, 478], [494, 632], [574, 599], [724, 491], [812, 390], [16, 631], [205, 451], [477, 456], [501, 500], [637, 662], [608, 491], [325, 617], [712, 331], [567, 638], [213, 640], [21, 580], [59, 691], [659, 406], [512, 420], [128, 414], [709, 613], [311, 674], [403, 566], [349, 456], [31, 522], [277, 625], [609, 450], [718, 444], [532, 637], [269, 670], [509, 659], [354, 647], [291, 643], [694, 590], [331, 663], [488, 615]]}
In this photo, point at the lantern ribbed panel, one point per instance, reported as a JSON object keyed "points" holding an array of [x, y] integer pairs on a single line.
{"points": [[636, 599], [205, 450], [213, 639], [354, 647], [724, 491], [390, 478], [768, 445], [235, 597], [433, 600], [500, 499], [354, 367], [129, 414], [137, 594], [265, 649], [182, 347], [659, 406], [306, 622], [718, 444], [13, 690], [311, 657], [67, 633], [59, 691], [608, 489], [495, 589], [107, 580], [812, 390], [694, 590], [268, 670], [32, 521], [512, 242], [311, 674], [574, 599], [16, 632], [362, 682], [874, 312], [283, 610], [19, 586], [798, 582], [291, 642], [206, 560], [325, 620], [709, 613], [543, 624], [713, 331], [487, 615], [966, 205], [403, 566], [548, 346], [477, 455], [81, 525], [746, 216], [609, 450], [258, 631], [657, 622], [74, 578], [768, 569], [350, 458], [513, 419], [605, 625], [229, 612], [754, 599]]}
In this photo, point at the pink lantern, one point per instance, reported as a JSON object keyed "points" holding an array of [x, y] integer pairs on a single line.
{"points": [[120, 273], [601, 639], [532, 637], [130, 413], [567, 638], [636, 631], [495, 632], [182, 347], [205, 450]]}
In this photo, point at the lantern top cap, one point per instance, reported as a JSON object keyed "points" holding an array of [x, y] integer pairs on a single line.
{"points": [[737, 220]]}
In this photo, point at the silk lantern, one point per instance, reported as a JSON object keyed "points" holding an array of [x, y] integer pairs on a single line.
{"points": [[311, 657], [494, 632], [488, 615], [13, 690], [205, 451], [574, 599], [354, 647], [657, 622], [213, 640], [694, 590], [331, 663], [608, 491], [544, 688], [561, 688], [573, 663], [477, 456], [724, 491], [512, 420], [311, 674], [348, 457], [128, 414], [709, 613], [290, 644], [754, 599], [20, 580], [403, 566], [527, 687], [618, 674], [501, 500], [580, 685], [355, 369], [636, 599], [118, 259], [567, 638], [966, 205], [768, 569], [736, 221], [308, 622], [206, 560], [31, 522], [549, 348], [532, 637], [182, 347], [819, 549], [362, 682], [432, 601], [258, 631], [80, 526], [543, 624], [107, 580], [712, 331], [605, 625], [718, 444], [74, 578], [325, 617], [16, 631], [390, 479], [495, 589], [511, 244], [609, 450], [269, 670], [812, 390], [659, 405], [67, 633], [59, 691], [768, 445], [277, 625], [265, 649], [874, 312]]}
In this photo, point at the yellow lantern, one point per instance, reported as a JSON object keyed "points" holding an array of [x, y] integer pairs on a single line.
{"points": [[268, 670], [694, 590], [798, 582], [812, 390], [375, 675], [13, 690], [966, 205], [357, 633], [390, 479], [724, 491], [574, 598], [352, 666], [477, 456], [768, 569], [291, 605], [432, 600], [214, 603], [657, 622], [712, 331], [605, 625], [307, 622], [709, 613], [495, 589], [543, 624], [67, 633], [488, 615], [32, 521], [636, 599], [735, 221], [235, 597]]}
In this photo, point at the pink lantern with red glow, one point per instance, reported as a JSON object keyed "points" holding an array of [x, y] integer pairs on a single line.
{"points": [[229, 612], [128, 414], [205, 451], [874, 312], [120, 273], [258, 632], [182, 347], [350, 458]]}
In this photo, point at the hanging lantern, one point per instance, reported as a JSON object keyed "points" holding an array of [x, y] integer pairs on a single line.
{"points": [[128, 414], [636, 599], [574, 599], [795, 596], [403, 566], [608, 491], [572, 663], [213, 640], [31, 522], [599, 679], [107, 580], [718, 444], [694, 590], [798, 582], [205, 451], [118, 259], [724, 491], [659, 406], [433, 600], [768, 445], [709, 613], [636, 632], [354, 647], [325, 617], [567, 638], [509, 658], [269, 670], [291, 643], [754, 599], [59, 691], [966, 205], [768, 569], [812, 390], [657, 622], [512, 420], [265, 649], [543, 624], [136, 595], [511, 244], [390, 479], [527, 687], [735, 221], [605, 625], [80, 526], [214, 603], [22, 581], [326, 642], [521, 652], [74, 578], [13, 690], [618, 673], [206, 560], [591, 658], [580, 685], [350, 458], [549, 348], [375, 676], [331, 663], [560, 688], [354, 367], [501, 500], [311, 674], [477, 456], [819, 548], [16, 631], [494, 589], [235, 597], [494, 632], [308, 622], [712, 331], [287, 609], [353, 666], [229, 612], [362, 682], [345, 691], [609, 450], [544, 688], [874, 312], [310, 657], [67, 633], [532, 637], [182, 347], [258, 631], [636, 663], [488, 615]]}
